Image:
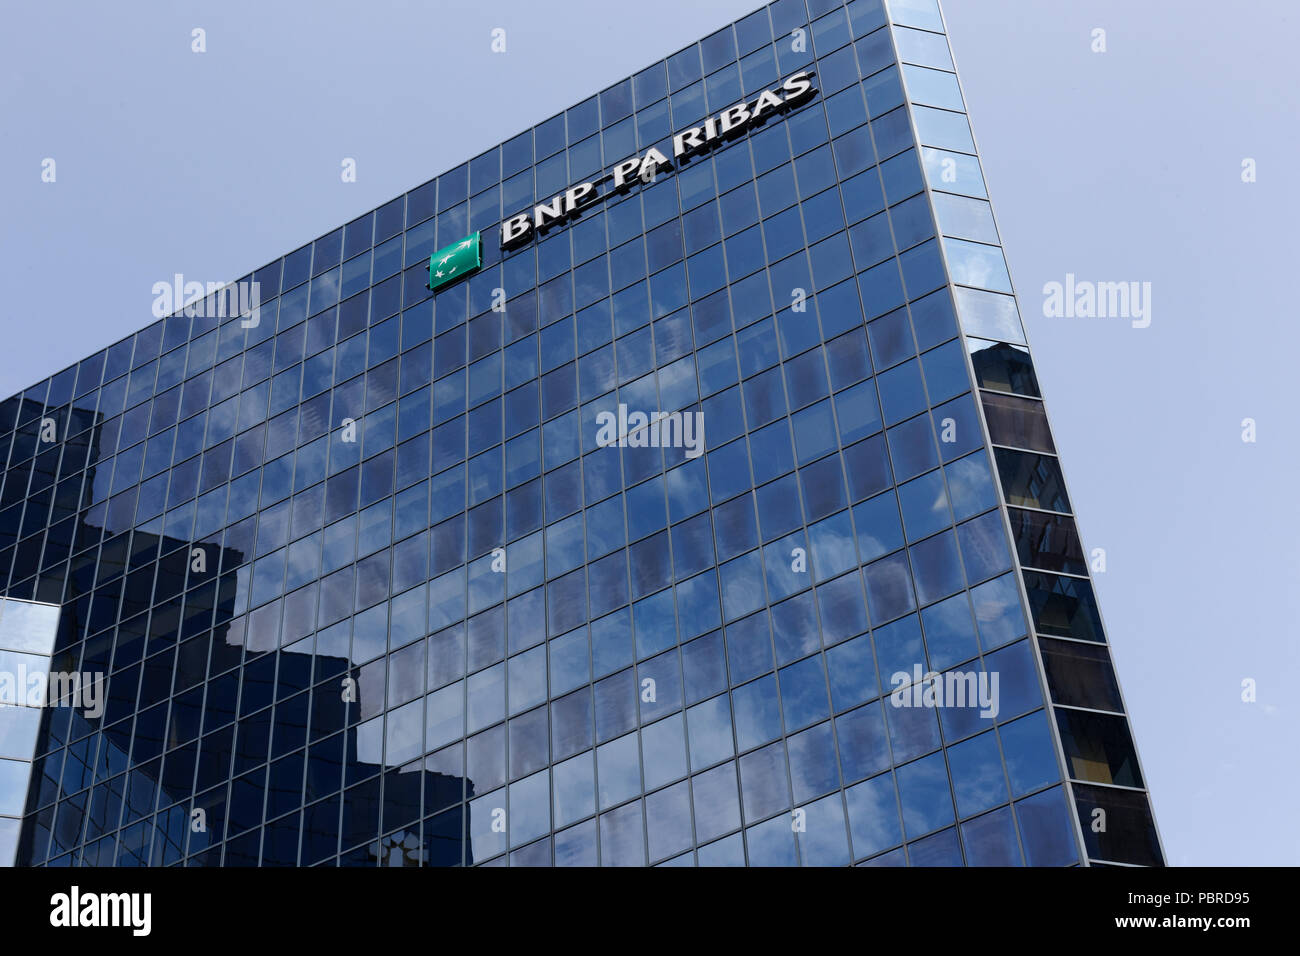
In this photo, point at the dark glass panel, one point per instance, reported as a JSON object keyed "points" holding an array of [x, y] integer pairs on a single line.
{"points": [[1047, 541], [1017, 422], [1098, 747], [1063, 606], [1003, 367], [1080, 675], [1123, 831], [1032, 480]]}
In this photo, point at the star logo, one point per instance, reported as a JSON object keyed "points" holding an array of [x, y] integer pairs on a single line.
{"points": [[452, 261]]}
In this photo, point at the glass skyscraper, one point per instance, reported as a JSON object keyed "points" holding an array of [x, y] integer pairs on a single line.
{"points": [[642, 544]]}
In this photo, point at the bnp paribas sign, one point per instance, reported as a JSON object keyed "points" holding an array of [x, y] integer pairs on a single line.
{"points": [[728, 124], [463, 257]]}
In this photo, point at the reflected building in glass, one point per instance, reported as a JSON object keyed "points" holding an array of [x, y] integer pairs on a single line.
{"points": [[370, 579]]}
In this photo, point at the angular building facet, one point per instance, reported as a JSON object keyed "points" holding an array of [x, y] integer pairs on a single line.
{"points": [[668, 485]]}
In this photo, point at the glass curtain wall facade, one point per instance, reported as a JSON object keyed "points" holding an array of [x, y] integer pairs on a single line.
{"points": [[367, 587]]}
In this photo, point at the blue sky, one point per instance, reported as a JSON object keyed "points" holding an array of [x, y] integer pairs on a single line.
{"points": [[1115, 166]]}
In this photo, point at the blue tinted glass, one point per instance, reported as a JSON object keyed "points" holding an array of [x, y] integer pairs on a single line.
{"points": [[990, 840], [926, 800], [803, 692], [1046, 829], [977, 777], [864, 747]]}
